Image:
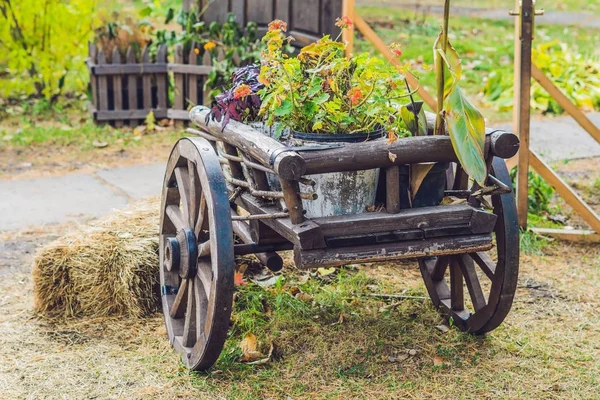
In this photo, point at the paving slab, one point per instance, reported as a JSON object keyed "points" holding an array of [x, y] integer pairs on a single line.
{"points": [[138, 181], [54, 200], [561, 138]]}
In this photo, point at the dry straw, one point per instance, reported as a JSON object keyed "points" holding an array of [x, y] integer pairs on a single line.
{"points": [[106, 268]]}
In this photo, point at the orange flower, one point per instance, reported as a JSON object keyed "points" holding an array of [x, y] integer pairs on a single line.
{"points": [[209, 46], [242, 91], [344, 22], [354, 95], [197, 51], [278, 25]]}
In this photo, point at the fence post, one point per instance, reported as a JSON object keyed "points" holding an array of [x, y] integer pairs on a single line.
{"points": [[161, 81], [117, 81], [132, 92], [179, 83]]}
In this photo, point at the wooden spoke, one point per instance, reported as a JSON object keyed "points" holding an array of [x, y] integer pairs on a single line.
{"points": [[174, 214], [457, 300], [183, 183], [439, 269], [201, 221], [178, 308], [204, 249], [194, 193], [487, 265], [189, 327], [201, 296], [472, 280], [205, 275]]}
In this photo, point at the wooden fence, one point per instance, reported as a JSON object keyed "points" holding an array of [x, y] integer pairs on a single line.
{"points": [[125, 89]]}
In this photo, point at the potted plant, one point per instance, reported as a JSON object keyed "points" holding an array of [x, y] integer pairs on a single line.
{"points": [[325, 97]]}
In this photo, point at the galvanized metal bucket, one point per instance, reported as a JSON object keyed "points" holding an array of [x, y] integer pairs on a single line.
{"points": [[340, 193]]}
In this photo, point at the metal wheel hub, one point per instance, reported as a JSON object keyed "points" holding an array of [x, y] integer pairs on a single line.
{"points": [[181, 253]]}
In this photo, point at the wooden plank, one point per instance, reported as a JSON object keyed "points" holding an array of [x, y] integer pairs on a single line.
{"points": [[192, 99], [190, 69], [574, 235], [524, 125], [162, 87], [391, 251], [565, 191], [92, 54], [392, 189], [178, 115], [330, 11], [238, 7], [348, 34], [129, 68], [206, 61], [282, 10], [269, 152], [305, 18], [102, 85], [216, 11], [179, 95], [132, 95], [112, 115], [371, 36], [565, 103], [415, 218], [117, 87], [146, 81], [260, 11], [291, 195], [308, 235]]}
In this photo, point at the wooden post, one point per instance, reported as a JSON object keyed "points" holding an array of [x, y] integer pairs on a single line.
{"points": [[392, 189], [132, 92], [117, 87], [193, 78], [179, 94], [348, 34], [102, 84], [147, 81], [162, 87], [523, 107], [291, 190]]}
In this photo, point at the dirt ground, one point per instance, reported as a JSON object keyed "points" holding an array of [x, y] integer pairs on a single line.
{"points": [[549, 346]]}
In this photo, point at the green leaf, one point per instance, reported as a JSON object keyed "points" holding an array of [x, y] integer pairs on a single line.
{"points": [[466, 126], [408, 117], [170, 15], [313, 90], [322, 98], [452, 65], [284, 109]]}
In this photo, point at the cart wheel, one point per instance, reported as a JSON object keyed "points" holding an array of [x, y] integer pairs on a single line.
{"points": [[490, 278], [196, 253]]}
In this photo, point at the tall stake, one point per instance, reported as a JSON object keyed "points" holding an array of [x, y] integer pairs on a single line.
{"points": [[440, 128]]}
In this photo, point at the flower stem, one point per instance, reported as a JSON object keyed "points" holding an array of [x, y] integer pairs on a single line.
{"points": [[440, 128]]}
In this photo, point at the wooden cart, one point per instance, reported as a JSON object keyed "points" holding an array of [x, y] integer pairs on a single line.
{"points": [[210, 178]]}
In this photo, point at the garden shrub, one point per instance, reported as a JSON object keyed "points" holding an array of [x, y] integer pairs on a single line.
{"points": [[43, 46], [577, 75]]}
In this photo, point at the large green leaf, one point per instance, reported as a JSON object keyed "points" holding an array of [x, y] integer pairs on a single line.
{"points": [[408, 117], [452, 65], [466, 126]]}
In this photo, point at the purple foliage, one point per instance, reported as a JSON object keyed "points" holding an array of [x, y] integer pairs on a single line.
{"points": [[226, 106]]}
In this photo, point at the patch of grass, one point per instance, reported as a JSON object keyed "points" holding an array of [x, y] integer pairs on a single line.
{"points": [[533, 244], [550, 5]]}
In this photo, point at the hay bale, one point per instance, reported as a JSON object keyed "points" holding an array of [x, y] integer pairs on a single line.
{"points": [[106, 268]]}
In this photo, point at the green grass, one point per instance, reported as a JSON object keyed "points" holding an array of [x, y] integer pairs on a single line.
{"points": [[485, 46], [553, 5]]}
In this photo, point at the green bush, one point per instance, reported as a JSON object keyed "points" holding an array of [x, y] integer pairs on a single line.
{"points": [[539, 193], [43, 46], [577, 75]]}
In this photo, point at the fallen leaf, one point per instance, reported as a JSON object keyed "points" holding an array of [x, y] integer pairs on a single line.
{"points": [[398, 358], [99, 145], [392, 156], [418, 172], [392, 137], [412, 352], [326, 271], [437, 361], [442, 328], [249, 346], [266, 283], [238, 279], [305, 297], [265, 359], [449, 200]]}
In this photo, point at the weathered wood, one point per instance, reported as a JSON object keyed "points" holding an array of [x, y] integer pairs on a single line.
{"points": [[392, 189], [503, 144], [130, 68], [132, 103], [287, 164], [179, 94], [263, 234], [578, 236], [92, 54], [206, 99], [348, 34], [271, 260], [117, 82], [293, 201], [406, 219], [162, 87], [146, 81], [112, 115], [102, 85], [391, 251], [307, 235], [193, 79]]}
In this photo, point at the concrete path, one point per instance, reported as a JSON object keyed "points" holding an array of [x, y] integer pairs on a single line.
{"points": [[83, 196], [75, 197], [551, 17]]}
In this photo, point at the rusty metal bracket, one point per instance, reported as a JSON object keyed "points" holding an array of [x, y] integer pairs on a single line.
{"points": [[526, 15]]}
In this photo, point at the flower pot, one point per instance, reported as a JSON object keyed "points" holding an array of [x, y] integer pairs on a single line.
{"points": [[340, 193]]}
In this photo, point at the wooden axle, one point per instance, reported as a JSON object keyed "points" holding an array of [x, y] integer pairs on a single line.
{"points": [[270, 259]]}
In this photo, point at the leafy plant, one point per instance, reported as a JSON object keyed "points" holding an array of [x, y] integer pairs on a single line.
{"points": [[576, 74], [323, 91], [465, 123], [121, 33], [241, 101], [539, 193], [228, 45], [43, 46]]}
